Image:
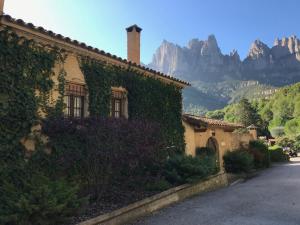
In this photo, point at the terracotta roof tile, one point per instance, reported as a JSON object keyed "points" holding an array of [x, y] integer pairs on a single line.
{"points": [[204, 121], [20, 22]]}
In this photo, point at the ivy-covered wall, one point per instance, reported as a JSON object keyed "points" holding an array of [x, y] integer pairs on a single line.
{"points": [[149, 99], [25, 85], [26, 81]]}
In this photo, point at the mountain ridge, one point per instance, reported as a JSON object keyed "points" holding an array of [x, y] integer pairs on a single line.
{"points": [[203, 64]]}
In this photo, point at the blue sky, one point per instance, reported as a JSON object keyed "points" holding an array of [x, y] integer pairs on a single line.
{"points": [[101, 23]]}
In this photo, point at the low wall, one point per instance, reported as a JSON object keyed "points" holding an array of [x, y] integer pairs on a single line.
{"points": [[161, 200]]}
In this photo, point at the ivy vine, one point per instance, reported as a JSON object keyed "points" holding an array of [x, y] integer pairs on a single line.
{"points": [[26, 71], [148, 98]]}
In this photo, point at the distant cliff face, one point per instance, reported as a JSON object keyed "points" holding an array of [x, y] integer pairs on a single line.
{"points": [[226, 78], [203, 61], [200, 60]]}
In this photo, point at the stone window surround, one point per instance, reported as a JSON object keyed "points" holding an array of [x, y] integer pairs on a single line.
{"points": [[82, 93], [120, 93]]}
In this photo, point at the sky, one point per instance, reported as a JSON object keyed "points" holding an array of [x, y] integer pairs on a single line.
{"points": [[101, 23]]}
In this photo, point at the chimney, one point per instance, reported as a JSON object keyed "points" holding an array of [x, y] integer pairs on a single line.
{"points": [[1, 7], [133, 43]]}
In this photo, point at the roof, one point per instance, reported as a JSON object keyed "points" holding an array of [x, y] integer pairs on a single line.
{"points": [[207, 122], [8, 18]]}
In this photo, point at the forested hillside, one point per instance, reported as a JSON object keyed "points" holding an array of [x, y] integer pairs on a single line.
{"points": [[280, 113]]}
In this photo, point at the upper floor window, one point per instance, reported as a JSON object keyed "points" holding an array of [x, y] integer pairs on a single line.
{"points": [[119, 103], [74, 100]]}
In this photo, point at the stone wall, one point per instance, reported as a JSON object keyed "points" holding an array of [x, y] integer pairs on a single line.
{"points": [[226, 140]]}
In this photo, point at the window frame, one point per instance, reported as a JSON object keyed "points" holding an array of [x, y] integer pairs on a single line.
{"points": [[74, 92], [120, 108], [118, 95]]}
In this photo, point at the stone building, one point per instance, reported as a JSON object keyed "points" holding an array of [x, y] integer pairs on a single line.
{"points": [[215, 134], [76, 91]]}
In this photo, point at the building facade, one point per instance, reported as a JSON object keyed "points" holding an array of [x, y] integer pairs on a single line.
{"points": [[214, 134], [160, 100]]}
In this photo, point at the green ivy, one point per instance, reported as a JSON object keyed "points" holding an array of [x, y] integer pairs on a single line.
{"points": [[26, 72], [25, 85], [148, 98]]}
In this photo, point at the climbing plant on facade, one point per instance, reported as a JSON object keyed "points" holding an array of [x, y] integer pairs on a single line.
{"points": [[25, 83], [149, 99]]}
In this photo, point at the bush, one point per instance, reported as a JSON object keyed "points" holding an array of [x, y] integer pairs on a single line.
{"points": [[105, 155], [238, 161], [205, 151], [260, 153], [286, 142], [277, 155], [159, 185], [32, 198], [181, 169]]}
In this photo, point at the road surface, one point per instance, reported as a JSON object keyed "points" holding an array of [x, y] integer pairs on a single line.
{"points": [[271, 198]]}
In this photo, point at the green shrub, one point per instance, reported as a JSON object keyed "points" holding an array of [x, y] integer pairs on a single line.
{"points": [[260, 153], [180, 169], [159, 185], [277, 155], [205, 151], [286, 142], [105, 155], [32, 198], [238, 161]]}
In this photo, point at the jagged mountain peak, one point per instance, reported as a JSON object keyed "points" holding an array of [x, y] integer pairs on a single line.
{"points": [[202, 63], [258, 50], [235, 55], [291, 42], [233, 52], [195, 44], [212, 39], [210, 46], [198, 59], [276, 42], [287, 47]]}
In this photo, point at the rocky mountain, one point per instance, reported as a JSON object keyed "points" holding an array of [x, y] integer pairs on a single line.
{"points": [[225, 77], [200, 60]]}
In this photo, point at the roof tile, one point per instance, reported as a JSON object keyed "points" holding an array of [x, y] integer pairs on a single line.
{"points": [[200, 120]]}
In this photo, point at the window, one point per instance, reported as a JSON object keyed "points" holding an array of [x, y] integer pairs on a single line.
{"points": [[117, 108], [119, 103], [74, 100]]}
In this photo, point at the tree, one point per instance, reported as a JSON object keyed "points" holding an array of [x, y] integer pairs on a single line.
{"points": [[217, 114], [292, 127], [297, 107], [246, 114], [297, 143]]}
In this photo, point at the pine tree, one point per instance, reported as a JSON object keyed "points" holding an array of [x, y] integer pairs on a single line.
{"points": [[246, 114]]}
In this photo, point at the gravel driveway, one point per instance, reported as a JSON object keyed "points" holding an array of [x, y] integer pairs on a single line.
{"points": [[272, 198]]}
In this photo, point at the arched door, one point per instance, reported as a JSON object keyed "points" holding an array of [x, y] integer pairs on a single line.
{"points": [[212, 143]]}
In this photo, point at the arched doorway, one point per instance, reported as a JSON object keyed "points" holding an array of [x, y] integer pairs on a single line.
{"points": [[212, 144]]}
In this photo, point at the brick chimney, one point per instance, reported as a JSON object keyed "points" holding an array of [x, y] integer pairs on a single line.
{"points": [[1, 7], [133, 43]]}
